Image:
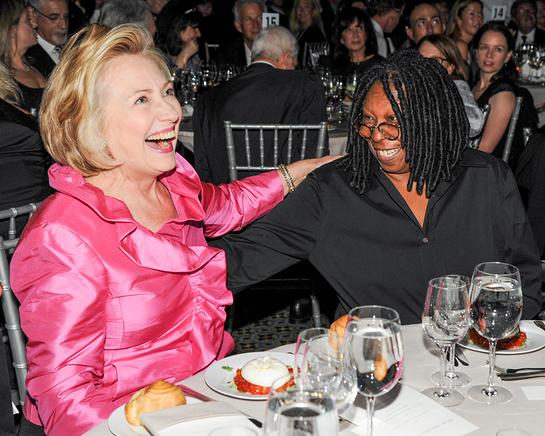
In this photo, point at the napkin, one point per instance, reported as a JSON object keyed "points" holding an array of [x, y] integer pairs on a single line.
{"points": [[158, 422]]}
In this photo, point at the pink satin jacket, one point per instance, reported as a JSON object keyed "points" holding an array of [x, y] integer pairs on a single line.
{"points": [[109, 306]]}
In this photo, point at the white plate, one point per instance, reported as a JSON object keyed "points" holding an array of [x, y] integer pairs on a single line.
{"points": [[119, 426], [535, 340], [219, 376]]}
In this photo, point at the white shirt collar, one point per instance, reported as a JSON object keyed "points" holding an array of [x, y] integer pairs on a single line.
{"points": [[530, 37], [377, 28], [49, 49], [263, 62], [248, 54]]}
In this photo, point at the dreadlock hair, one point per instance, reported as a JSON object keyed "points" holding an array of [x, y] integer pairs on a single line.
{"points": [[433, 123]]}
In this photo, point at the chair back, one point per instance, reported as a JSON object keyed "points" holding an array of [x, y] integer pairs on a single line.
{"points": [[259, 164], [474, 142], [10, 306], [211, 52], [511, 130]]}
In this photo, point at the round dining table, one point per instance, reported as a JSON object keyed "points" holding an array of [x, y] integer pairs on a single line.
{"points": [[420, 362]]}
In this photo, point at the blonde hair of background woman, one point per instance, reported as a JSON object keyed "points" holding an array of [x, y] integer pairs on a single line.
{"points": [[316, 15], [456, 12], [9, 91], [10, 12], [71, 117]]}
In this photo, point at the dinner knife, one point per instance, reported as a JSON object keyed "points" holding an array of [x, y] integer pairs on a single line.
{"points": [[192, 393], [520, 375]]}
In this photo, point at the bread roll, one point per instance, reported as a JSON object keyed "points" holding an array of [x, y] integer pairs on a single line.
{"points": [[158, 395], [336, 332]]}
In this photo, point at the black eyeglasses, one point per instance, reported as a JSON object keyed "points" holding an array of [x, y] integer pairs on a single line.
{"points": [[53, 17], [389, 131]]}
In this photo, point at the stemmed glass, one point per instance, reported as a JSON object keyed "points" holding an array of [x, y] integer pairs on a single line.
{"points": [[301, 345], [496, 308], [299, 410], [375, 350], [326, 370], [445, 320], [455, 379]]}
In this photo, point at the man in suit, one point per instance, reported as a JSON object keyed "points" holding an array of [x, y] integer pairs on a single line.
{"points": [[52, 18], [270, 91], [248, 15], [424, 19], [524, 15], [385, 15]]}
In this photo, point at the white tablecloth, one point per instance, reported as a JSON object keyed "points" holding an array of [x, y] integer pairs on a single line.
{"points": [[420, 362]]}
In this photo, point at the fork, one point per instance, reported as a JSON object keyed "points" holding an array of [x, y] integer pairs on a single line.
{"points": [[540, 324]]}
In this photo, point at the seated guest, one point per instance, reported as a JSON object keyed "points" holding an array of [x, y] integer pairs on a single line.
{"points": [[495, 85], [181, 41], [268, 92], [247, 22], [424, 19], [23, 160], [524, 16], [52, 21], [409, 202], [465, 20], [385, 16], [540, 14], [354, 43], [116, 12], [117, 285], [306, 24], [444, 50], [17, 35]]}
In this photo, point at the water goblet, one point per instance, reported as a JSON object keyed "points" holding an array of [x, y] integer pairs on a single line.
{"points": [[496, 309], [301, 345], [375, 350], [299, 410], [326, 370], [445, 320]]}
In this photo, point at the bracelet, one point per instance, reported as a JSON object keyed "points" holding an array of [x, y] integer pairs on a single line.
{"points": [[287, 177]]}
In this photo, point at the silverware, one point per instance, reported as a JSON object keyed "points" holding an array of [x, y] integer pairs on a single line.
{"points": [[459, 354], [192, 393], [521, 375], [540, 324], [515, 370]]}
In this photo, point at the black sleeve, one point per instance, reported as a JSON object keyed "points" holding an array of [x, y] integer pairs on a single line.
{"points": [[285, 236], [520, 245]]}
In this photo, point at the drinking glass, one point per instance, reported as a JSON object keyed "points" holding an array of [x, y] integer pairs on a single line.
{"points": [[301, 345], [326, 370], [445, 320], [496, 309], [299, 411], [375, 350]]}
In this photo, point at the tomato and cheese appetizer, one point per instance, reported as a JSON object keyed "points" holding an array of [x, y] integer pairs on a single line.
{"points": [[258, 375]]}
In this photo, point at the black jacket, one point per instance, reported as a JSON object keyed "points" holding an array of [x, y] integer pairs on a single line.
{"points": [[39, 59], [371, 248], [261, 95]]}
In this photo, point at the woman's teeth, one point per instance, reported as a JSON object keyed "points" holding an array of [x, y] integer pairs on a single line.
{"points": [[388, 153], [166, 136]]}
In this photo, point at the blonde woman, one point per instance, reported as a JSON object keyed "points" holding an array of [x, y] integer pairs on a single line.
{"points": [[306, 24], [117, 258], [17, 35], [465, 20]]}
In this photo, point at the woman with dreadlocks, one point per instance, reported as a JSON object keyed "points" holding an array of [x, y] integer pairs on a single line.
{"points": [[407, 203]]}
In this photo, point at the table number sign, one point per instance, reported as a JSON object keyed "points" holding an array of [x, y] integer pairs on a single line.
{"points": [[270, 19], [498, 13]]}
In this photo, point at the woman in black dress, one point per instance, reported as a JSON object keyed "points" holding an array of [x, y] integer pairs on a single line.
{"points": [[306, 24], [495, 85]]}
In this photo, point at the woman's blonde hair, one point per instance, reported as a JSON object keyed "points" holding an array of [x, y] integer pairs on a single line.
{"points": [[10, 12], [9, 91], [71, 116], [456, 12], [316, 15]]}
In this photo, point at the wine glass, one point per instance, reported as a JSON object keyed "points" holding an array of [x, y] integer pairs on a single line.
{"points": [[455, 379], [445, 320], [301, 345], [375, 350], [325, 370], [496, 309], [299, 410]]}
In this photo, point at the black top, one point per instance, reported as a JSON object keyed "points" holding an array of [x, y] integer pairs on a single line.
{"points": [[310, 35], [527, 117], [32, 98], [371, 248], [346, 68], [23, 161]]}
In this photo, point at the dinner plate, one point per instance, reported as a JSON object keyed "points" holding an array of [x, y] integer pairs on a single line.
{"points": [[535, 340], [119, 426], [219, 376]]}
